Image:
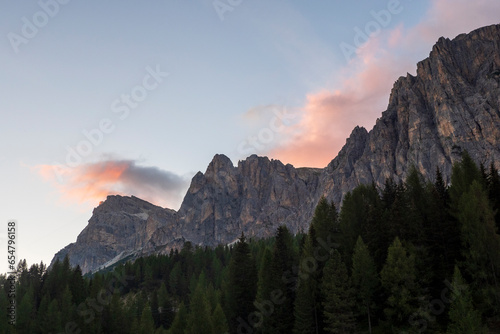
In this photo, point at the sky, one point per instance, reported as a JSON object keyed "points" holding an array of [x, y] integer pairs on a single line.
{"points": [[122, 97]]}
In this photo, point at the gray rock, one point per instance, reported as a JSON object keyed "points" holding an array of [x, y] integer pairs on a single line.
{"points": [[451, 105]]}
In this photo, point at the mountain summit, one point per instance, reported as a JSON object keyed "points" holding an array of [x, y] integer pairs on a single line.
{"points": [[451, 105]]}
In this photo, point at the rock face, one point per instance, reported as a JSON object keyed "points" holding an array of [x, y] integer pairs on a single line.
{"points": [[119, 227], [255, 198], [452, 105]]}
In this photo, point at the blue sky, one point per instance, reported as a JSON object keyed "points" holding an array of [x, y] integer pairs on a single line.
{"points": [[200, 78]]}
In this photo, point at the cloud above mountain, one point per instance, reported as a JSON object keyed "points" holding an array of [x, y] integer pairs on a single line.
{"points": [[362, 91], [92, 182]]}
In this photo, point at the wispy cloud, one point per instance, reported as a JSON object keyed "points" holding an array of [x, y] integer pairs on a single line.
{"points": [[363, 91], [92, 182]]}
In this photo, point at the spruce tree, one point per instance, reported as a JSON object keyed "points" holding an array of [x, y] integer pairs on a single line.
{"points": [[464, 319], [464, 173], [4, 304], [219, 321], [317, 246], [26, 312], [54, 317], [165, 307], [338, 301], [180, 321], [147, 325], [442, 233], [305, 312], [199, 318], [306, 307], [242, 285], [398, 278], [364, 280], [359, 216], [283, 259], [480, 246], [325, 218]]}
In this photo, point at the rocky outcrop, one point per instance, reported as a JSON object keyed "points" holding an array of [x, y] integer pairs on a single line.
{"points": [[119, 227], [254, 198], [451, 105]]}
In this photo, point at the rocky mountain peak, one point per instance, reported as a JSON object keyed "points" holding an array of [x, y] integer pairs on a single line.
{"points": [[218, 163], [127, 204], [451, 105]]}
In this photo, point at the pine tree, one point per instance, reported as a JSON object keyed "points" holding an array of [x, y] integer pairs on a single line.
{"points": [[265, 275], [54, 317], [307, 307], [147, 325], [325, 218], [242, 285], [26, 312], [67, 307], [180, 321], [464, 173], [219, 321], [283, 259], [4, 304], [318, 244], [118, 319], [77, 286], [357, 216], [177, 280], [464, 319], [165, 306], [305, 313], [338, 297], [364, 280], [398, 278], [481, 245], [199, 318], [442, 233]]}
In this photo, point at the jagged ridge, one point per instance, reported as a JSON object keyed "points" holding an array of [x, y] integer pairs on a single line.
{"points": [[450, 106]]}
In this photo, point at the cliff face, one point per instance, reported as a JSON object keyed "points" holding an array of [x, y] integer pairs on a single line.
{"points": [[120, 226], [452, 105], [255, 198]]}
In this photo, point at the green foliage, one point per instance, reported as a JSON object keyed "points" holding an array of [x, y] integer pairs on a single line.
{"points": [[282, 261], [464, 319], [199, 318], [493, 182], [464, 173], [364, 280], [242, 288], [415, 234], [307, 307], [338, 295], [219, 321], [146, 323], [305, 312], [480, 245], [325, 219], [360, 216], [398, 278], [180, 321]]}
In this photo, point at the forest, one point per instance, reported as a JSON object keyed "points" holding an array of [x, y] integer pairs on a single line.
{"points": [[418, 256]]}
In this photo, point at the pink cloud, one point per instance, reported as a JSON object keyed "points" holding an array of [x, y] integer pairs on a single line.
{"points": [[363, 93], [93, 182]]}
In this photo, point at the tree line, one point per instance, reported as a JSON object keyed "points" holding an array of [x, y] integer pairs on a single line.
{"points": [[412, 257]]}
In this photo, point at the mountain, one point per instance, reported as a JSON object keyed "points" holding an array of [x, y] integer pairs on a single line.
{"points": [[451, 105]]}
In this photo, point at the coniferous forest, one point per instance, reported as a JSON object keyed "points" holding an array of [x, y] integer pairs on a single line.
{"points": [[412, 257]]}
